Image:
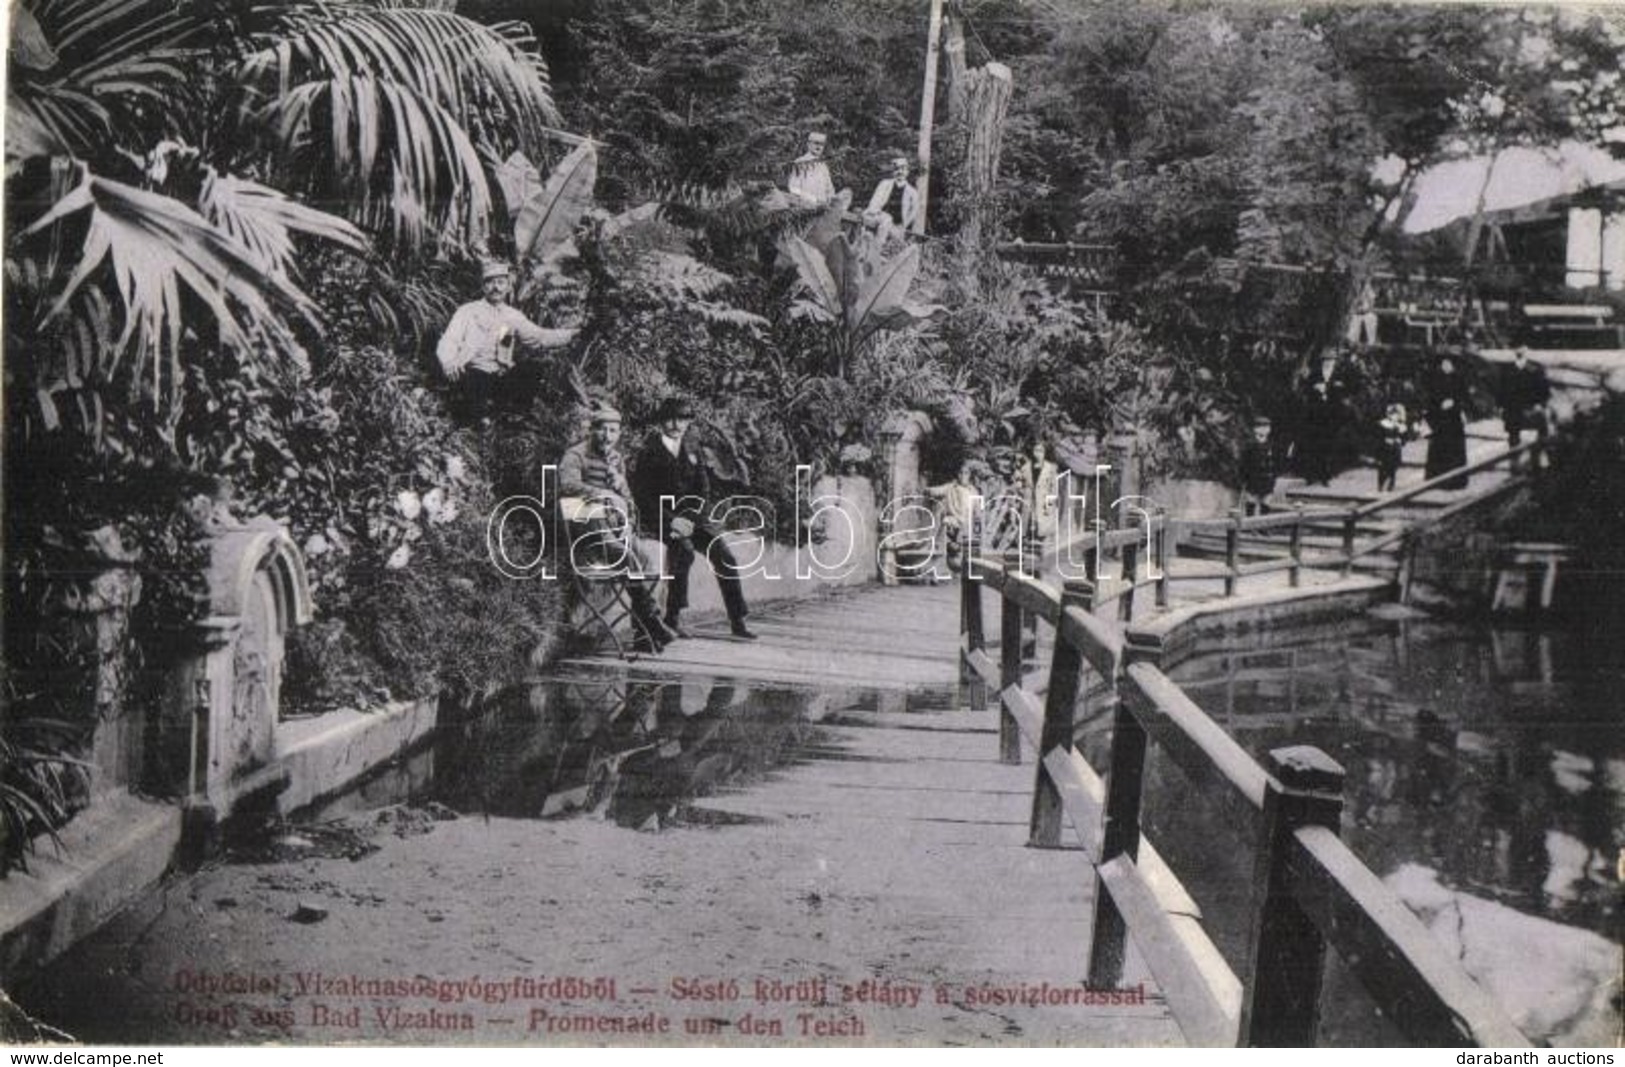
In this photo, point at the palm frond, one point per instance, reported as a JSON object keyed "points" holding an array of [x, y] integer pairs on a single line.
{"points": [[108, 54], [264, 221], [404, 162], [156, 250], [487, 76]]}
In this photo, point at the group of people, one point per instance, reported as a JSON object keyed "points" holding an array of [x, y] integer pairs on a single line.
{"points": [[668, 498], [477, 352], [893, 208], [1329, 435]]}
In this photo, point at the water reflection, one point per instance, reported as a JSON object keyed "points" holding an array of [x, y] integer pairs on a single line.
{"points": [[1486, 770], [639, 752], [1493, 757], [635, 752]]}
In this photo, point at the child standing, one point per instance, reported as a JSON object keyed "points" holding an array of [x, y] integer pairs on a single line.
{"points": [[1258, 469], [1393, 431]]}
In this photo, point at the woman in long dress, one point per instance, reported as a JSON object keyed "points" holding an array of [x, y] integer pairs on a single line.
{"points": [[1447, 432]]}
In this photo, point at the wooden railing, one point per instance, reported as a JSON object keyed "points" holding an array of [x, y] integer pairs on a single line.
{"points": [[1311, 892], [1345, 523]]}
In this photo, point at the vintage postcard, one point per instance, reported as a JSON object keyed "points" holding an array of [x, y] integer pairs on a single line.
{"points": [[851, 523]]}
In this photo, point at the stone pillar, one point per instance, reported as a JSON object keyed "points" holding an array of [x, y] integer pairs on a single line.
{"points": [[898, 469], [90, 616], [216, 740], [1124, 480]]}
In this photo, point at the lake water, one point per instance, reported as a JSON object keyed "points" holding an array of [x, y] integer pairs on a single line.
{"points": [[1486, 784]]}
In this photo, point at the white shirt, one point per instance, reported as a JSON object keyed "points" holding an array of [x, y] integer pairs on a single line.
{"points": [[482, 335], [911, 202], [809, 178]]}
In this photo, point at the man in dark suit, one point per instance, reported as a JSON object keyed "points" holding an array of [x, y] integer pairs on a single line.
{"points": [[670, 465], [1525, 392]]}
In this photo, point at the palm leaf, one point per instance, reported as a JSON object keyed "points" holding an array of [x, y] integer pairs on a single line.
{"points": [[263, 220], [156, 249], [550, 215], [106, 53], [489, 73], [402, 161]]}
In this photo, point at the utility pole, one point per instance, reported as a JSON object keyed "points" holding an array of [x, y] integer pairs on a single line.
{"points": [[928, 109]]}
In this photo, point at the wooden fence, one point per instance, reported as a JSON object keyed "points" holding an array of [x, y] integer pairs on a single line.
{"points": [[1311, 892], [1143, 551]]}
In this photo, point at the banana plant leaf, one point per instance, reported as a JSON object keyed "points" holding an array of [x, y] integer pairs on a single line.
{"points": [[551, 214]]}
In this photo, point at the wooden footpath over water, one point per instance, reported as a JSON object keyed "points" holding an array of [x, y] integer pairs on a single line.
{"points": [[1001, 850], [917, 832]]}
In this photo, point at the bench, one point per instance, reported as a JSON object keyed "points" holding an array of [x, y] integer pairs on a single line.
{"points": [[1574, 322]]}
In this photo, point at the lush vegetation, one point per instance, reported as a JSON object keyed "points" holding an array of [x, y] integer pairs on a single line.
{"points": [[235, 232]]}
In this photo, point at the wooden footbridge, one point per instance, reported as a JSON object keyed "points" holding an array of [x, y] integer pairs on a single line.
{"points": [[1091, 903]]}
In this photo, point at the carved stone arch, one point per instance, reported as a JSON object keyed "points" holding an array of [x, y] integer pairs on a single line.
{"points": [[218, 741]]}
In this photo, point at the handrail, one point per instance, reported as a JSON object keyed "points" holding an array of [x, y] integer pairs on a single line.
{"points": [[1312, 892], [1367, 510]]}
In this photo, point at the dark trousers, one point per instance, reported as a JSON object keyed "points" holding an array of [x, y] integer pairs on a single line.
{"points": [[707, 539]]}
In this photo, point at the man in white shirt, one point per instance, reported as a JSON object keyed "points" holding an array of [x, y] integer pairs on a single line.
{"points": [[478, 345], [809, 174], [894, 199]]}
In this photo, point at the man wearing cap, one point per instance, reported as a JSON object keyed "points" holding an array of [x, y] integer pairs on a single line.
{"points": [[594, 497], [670, 465], [895, 199], [478, 345]]}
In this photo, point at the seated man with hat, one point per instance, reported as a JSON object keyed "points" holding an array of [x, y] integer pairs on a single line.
{"points": [[895, 202], [596, 502], [478, 345], [671, 465]]}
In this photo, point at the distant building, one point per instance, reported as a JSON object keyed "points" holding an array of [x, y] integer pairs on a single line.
{"points": [[1556, 216]]}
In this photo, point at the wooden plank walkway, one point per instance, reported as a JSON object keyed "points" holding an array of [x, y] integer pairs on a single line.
{"points": [[909, 818], [902, 637]]}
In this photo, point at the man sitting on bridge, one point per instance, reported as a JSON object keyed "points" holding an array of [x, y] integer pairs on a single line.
{"points": [[596, 501]]}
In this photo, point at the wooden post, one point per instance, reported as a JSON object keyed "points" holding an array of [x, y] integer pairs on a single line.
{"points": [[970, 616], [1091, 559], [987, 99], [1294, 576], [1032, 555], [1286, 953], [1349, 522], [1232, 552], [953, 54], [928, 108], [1407, 567], [1065, 676], [1108, 942], [1009, 663], [1160, 557], [1131, 574]]}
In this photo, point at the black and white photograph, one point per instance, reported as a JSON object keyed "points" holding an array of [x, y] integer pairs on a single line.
{"points": [[813, 524]]}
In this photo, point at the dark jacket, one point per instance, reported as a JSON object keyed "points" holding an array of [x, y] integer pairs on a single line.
{"points": [[658, 473], [1524, 390]]}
